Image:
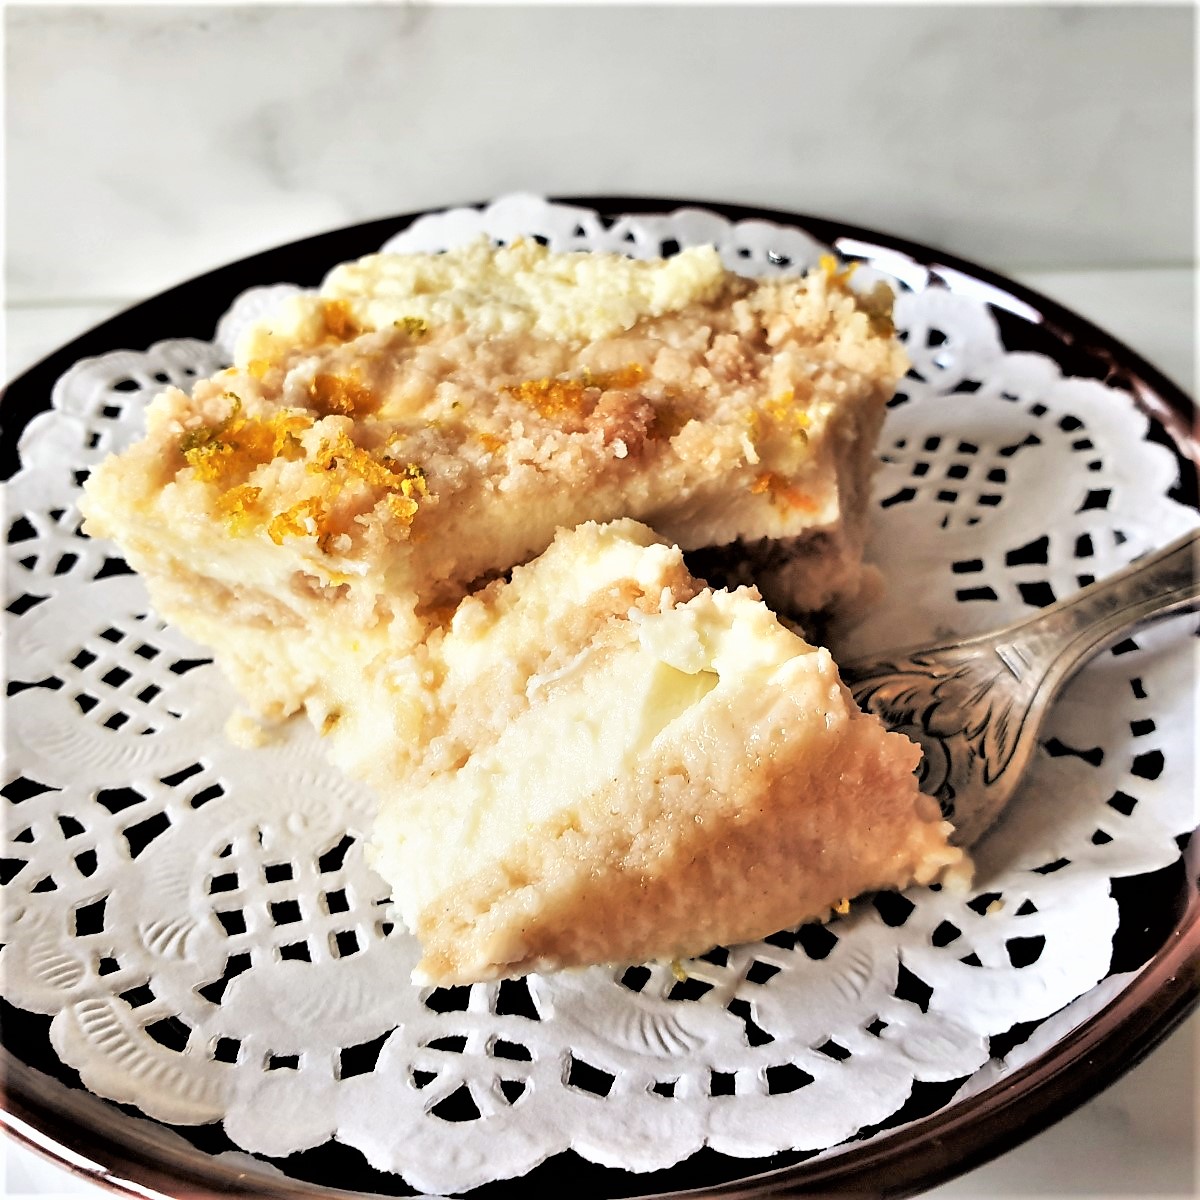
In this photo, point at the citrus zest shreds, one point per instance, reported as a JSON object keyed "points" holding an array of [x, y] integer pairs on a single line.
{"points": [[778, 490], [237, 506], [342, 456], [561, 397], [785, 409], [211, 461], [490, 442], [550, 397], [340, 322], [258, 367], [301, 520], [227, 453], [783, 413], [877, 303], [837, 274], [341, 396], [412, 480], [404, 483], [623, 377], [402, 507], [340, 453], [204, 435]]}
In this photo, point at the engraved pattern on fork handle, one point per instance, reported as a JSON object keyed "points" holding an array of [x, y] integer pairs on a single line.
{"points": [[976, 706]]}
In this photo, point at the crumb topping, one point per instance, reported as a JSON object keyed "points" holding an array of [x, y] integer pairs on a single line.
{"points": [[555, 398], [228, 454], [349, 439], [785, 414], [877, 303]]}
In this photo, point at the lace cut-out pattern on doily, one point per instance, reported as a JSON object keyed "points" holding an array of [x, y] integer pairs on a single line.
{"points": [[201, 923]]}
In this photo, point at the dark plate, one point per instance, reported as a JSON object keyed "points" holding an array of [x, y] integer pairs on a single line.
{"points": [[930, 1139]]}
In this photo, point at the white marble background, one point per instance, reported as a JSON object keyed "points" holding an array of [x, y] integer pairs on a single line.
{"points": [[146, 144]]}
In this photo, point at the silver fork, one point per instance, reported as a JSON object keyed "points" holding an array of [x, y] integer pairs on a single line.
{"points": [[976, 706]]}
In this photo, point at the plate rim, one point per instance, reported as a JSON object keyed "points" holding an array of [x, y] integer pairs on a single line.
{"points": [[898, 1163]]}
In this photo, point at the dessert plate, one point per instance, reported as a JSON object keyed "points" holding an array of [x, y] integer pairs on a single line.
{"points": [[202, 990]]}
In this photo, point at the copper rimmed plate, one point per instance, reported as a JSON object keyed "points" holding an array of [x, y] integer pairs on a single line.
{"points": [[1159, 935]]}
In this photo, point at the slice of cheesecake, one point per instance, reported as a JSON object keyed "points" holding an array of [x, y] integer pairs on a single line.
{"points": [[629, 766], [425, 422], [599, 760]]}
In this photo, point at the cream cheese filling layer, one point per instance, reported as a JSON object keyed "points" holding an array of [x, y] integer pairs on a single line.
{"points": [[589, 731], [588, 725], [521, 288]]}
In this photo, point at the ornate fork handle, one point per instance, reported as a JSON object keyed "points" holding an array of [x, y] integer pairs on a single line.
{"points": [[976, 705]]}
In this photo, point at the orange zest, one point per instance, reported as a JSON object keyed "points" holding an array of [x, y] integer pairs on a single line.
{"points": [[877, 303], [836, 273], [550, 397], [414, 326], [341, 396], [305, 518], [237, 506], [553, 398], [340, 323], [785, 413], [226, 454], [777, 489]]}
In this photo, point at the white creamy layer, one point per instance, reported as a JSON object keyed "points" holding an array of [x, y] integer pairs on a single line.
{"points": [[587, 731], [521, 288], [589, 721], [512, 625]]}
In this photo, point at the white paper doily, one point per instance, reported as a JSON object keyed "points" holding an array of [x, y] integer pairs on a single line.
{"points": [[199, 920]]}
